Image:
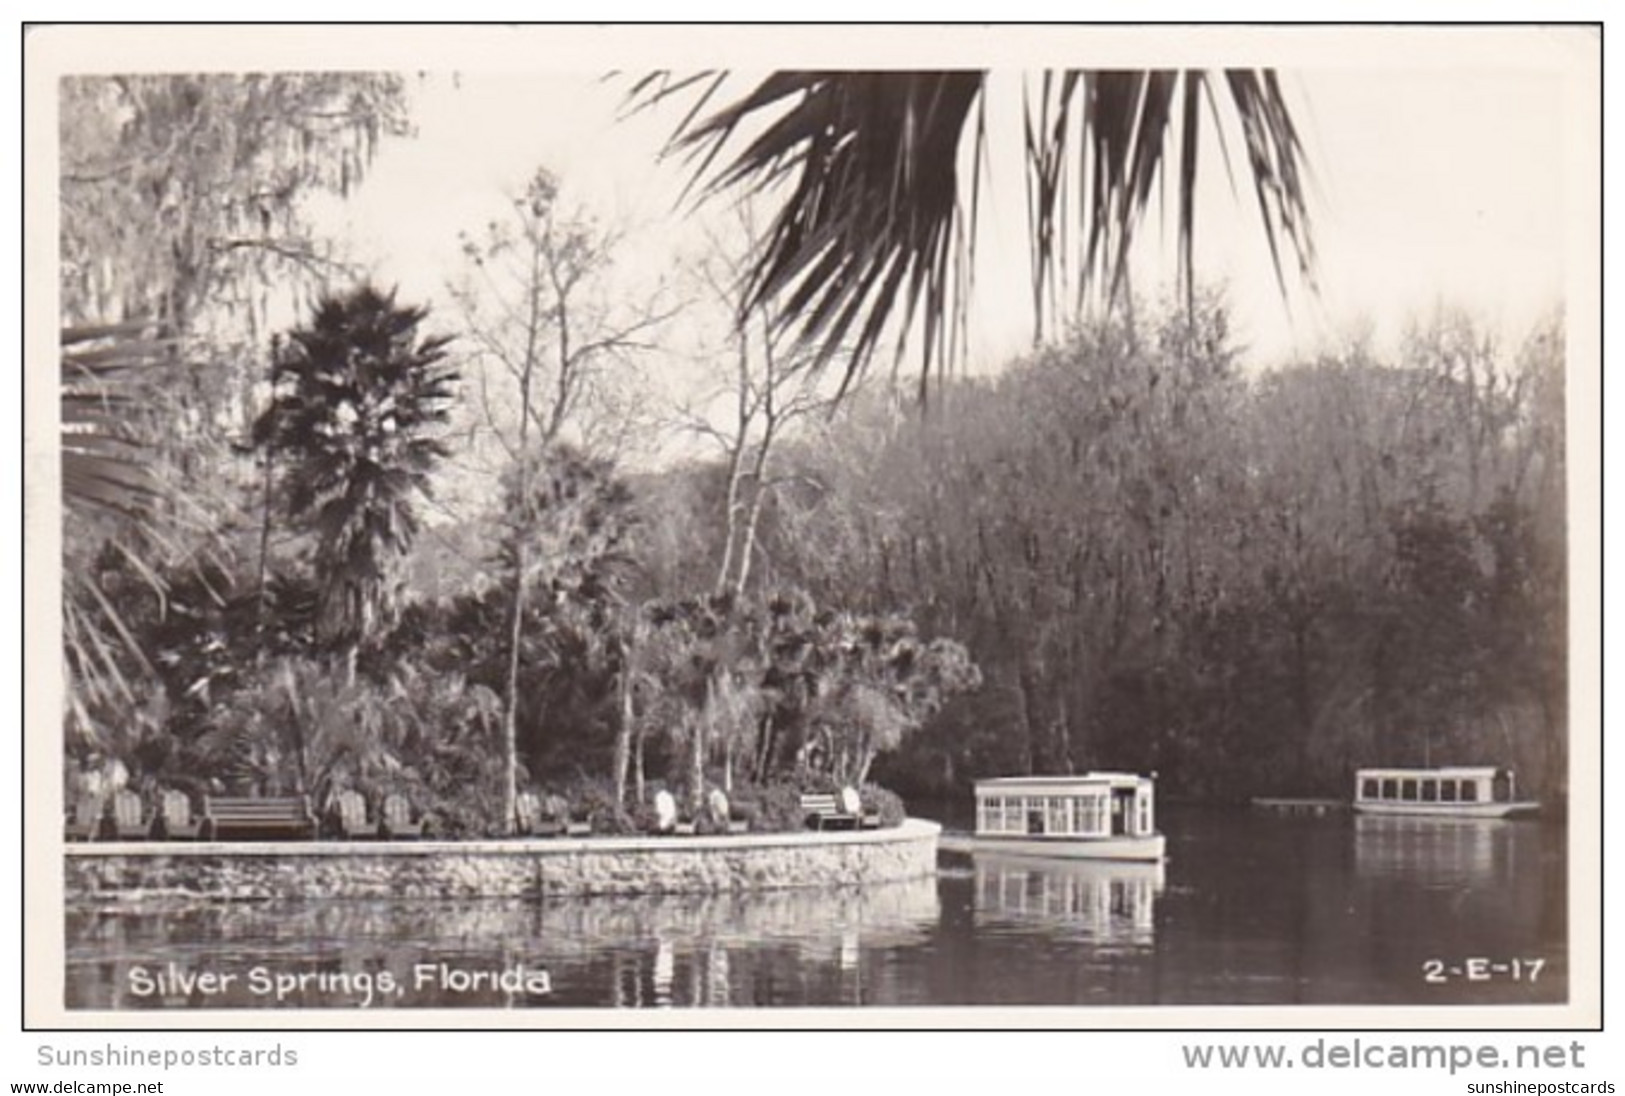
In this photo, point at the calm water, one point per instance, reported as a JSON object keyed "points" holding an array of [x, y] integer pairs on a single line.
{"points": [[1249, 909]]}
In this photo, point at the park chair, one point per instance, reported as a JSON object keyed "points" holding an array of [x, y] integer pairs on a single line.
{"points": [[131, 822], [852, 804], [85, 823], [665, 812], [560, 820], [722, 814], [176, 815], [557, 810], [682, 823], [397, 818], [671, 820], [350, 815]]}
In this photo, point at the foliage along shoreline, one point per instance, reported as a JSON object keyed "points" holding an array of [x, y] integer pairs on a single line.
{"points": [[1125, 551], [1148, 562]]}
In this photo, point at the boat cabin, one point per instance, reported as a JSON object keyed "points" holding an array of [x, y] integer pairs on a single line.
{"points": [[1087, 805], [1458, 785]]}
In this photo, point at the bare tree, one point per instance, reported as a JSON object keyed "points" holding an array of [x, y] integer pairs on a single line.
{"points": [[536, 304], [765, 388]]}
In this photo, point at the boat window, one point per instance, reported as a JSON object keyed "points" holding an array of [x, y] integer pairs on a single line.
{"points": [[1407, 790], [1469, 791], [1368, 788], [1390, 788], [1091, 814], [1006, 814], [1001, 815], [1142, 802], [1447, 791], [1430, 791]]}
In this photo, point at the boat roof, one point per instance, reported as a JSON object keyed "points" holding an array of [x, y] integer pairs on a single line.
{"points": [[1438, 770], [1053, 783]]}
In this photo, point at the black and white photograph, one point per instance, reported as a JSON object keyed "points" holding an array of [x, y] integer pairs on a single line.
{"points": [[813, 527]]}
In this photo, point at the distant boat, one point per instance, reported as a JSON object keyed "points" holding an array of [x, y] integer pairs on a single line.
{"points": [[1461, 791], [1095, 816]]}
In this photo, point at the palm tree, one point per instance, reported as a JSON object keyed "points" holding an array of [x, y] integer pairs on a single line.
{"points": [[359, 400], [113, 499], [566, 516], [876, 232]]}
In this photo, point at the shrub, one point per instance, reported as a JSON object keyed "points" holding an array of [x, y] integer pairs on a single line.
{"points": [[885, 802], [771, 808], [593, 799]]}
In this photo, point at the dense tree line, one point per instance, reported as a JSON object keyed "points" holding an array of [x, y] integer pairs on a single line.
{"points": [[1250, 583]]}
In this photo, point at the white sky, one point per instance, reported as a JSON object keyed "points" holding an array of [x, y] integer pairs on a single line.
{"points": [[1447, 160], [1437, 183]]}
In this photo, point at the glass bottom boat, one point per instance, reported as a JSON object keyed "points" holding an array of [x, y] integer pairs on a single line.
{"points": [[1462, 791], [1096, 816]]}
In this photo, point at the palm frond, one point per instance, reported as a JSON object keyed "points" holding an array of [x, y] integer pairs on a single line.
{"points": [[104, 466], [870, 232], [872, 162], [1275, 155], [107, 480]]}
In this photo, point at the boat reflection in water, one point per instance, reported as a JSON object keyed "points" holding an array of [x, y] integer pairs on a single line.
{"points": [[1257, 910], [1092, 901], [1452, 851]]}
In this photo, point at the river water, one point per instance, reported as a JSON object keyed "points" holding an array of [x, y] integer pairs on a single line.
{"points": [[1250, 909]]}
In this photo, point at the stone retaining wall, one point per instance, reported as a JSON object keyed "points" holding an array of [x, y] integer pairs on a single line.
{"points": [[534, 868]]}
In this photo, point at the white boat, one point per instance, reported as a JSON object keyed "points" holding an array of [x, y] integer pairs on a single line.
{"points": [[1458, 791], [1094, 816]]}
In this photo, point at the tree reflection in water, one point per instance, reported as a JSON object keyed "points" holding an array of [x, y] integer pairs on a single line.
{"points": [[1250, 909], [647, 951]]}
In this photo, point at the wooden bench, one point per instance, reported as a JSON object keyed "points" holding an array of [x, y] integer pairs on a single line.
{"points": [[823, 812], [257, 817]]}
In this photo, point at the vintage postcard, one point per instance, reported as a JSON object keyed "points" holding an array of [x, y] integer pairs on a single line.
{"points": [[813, 527]]}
